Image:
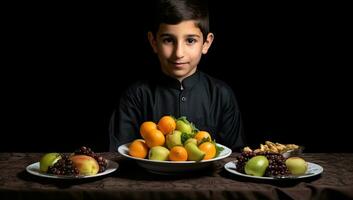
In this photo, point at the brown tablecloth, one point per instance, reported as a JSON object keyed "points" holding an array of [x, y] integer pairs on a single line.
{"points": [[132, 182]]}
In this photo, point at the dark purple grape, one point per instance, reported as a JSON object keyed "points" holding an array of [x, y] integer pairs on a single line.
{"points": [[103, 163], [84, 151], [277, 165], [64, 166], [242, 159]]}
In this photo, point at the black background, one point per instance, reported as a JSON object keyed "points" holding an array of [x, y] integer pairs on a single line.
{"points": [[65, 66]]}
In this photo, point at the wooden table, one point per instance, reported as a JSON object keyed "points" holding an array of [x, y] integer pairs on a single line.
{"points": [[132, 182]]}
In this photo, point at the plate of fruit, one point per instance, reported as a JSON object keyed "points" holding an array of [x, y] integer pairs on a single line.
{"points": [[173, 146], [272, 165], [82, 163]]}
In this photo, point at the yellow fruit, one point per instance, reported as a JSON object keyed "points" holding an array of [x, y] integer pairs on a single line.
{"points": [[138, 148], [166, 124], [146, 127], [178, 153], [154, 138], [86, 165], [209, 148], [201, 135], [47, 160]]}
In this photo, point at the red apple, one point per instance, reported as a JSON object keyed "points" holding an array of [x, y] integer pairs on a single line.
{"points": [[86, 165]]}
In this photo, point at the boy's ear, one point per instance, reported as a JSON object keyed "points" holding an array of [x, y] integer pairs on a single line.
{"points": [[152, 41], [207, 44]]}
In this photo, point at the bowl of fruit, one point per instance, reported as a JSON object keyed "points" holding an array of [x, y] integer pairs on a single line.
{"points": [[173, 146], [82, 163]]}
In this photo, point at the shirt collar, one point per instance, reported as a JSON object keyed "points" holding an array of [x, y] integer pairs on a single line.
{"points": [[186, 84]]}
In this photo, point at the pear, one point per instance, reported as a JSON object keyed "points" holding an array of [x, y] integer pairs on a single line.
{"points": [[47, 160], [194, 153], [183, 125], [296, 165], [174, 139], [158, 153], [256, 166], [192, 140]]}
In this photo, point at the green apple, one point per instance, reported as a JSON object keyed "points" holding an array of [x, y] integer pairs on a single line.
{"points": [[296, 165], [86, 165], [158, 153], [173, 139], [256, 166], [184, 126], [47, 160], [194, 153]]}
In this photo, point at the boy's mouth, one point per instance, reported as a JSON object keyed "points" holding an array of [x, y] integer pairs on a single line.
{"points": [[179, 64]]}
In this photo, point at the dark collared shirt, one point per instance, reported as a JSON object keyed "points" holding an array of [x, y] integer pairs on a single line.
{"points": [[205, 101]]}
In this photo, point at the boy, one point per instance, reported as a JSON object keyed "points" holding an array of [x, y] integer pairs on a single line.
{"points": [[179, 37]]}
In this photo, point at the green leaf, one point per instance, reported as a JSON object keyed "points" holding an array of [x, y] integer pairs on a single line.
{"points": [[219, 149], [184, 137], [183, 118], [207, 139], [194, 129]]}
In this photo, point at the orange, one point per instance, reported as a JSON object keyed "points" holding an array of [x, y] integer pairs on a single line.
{"points": [[138, 148], [209, 148], [201, 135], [178, 153], [154, 138], [166, 124], [146, 127]]}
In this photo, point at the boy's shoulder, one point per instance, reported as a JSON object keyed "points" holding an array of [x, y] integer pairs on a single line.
{"points": [[220, 88], [139, 85], [215, 82]]}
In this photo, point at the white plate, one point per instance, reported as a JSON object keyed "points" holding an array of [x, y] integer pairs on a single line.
{"points": [[313, 170], [34, 169], [172, 167]]}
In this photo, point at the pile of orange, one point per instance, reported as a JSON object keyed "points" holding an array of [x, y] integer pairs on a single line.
{"points": [[154, 134]]}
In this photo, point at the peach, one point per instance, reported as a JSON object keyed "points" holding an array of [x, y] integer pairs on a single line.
{"points": [[86, 165]]}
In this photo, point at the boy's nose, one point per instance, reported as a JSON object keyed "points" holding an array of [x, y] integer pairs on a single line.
{"points": [[178, 51]]}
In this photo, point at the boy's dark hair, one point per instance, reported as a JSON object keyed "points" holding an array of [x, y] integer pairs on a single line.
{"points": [[176, 11]]}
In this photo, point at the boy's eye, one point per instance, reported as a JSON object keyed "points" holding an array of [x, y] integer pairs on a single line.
{"points": [[167, 40], [191, 40]]}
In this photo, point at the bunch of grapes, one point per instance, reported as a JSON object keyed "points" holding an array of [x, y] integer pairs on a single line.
{"points": [[84, 151], [103, 163], [64, 166], [242, 159], [277, 165]]}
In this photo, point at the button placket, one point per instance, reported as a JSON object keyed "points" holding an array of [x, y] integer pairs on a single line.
{"points": [[182, 103]]}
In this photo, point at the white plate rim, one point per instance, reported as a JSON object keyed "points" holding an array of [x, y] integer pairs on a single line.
{"points": [[123, 149], [313, 170], [34, 170]]}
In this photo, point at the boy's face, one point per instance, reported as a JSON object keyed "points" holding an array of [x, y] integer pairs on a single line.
{"points": [[179, 48]]}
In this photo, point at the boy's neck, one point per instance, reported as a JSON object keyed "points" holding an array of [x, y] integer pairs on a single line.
{"points": [[180, 79], [183, 84]]}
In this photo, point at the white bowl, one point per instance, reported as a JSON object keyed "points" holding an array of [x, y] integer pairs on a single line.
{"points": [[173, 167], [295, 152]]}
